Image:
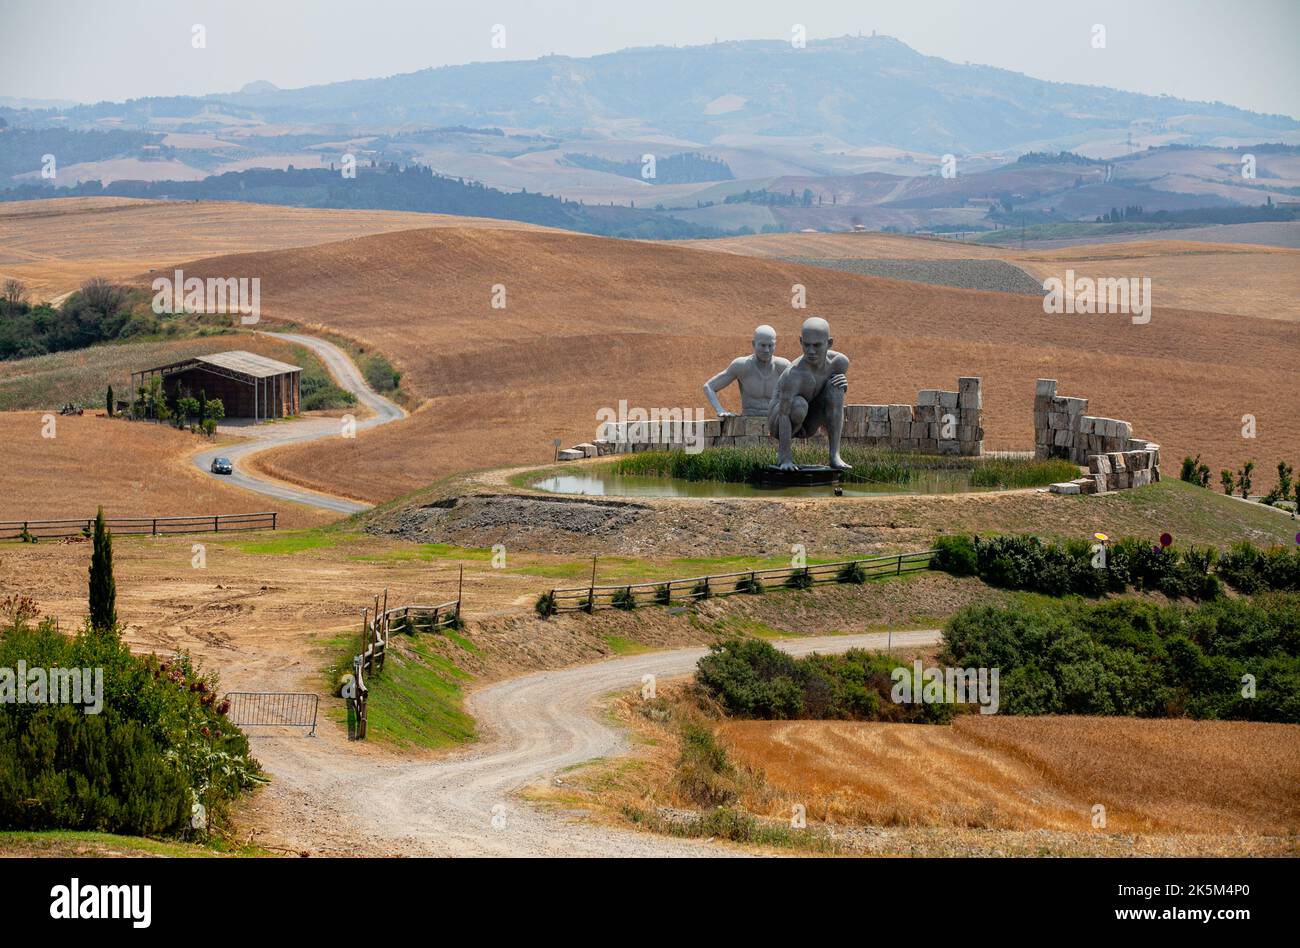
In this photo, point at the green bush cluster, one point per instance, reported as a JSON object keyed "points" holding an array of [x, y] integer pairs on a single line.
{"points": [[1127, 657], [381, 375], [160, 743], [1026, 562], [1248, 568], [752, 679]]}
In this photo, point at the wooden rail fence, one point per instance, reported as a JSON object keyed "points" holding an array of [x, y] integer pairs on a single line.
{"points": [[155, 526], [377, 625], [626, 596]]}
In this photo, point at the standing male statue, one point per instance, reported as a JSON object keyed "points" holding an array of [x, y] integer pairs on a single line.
{"points": [[757, 375], [810, 396]]}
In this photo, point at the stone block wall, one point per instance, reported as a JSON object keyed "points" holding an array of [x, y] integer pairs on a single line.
{"points": [[941, 422], [1114, 458]]}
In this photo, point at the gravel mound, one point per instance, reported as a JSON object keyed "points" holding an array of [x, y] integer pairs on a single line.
{"points": [[996, 275], [493, 516]]}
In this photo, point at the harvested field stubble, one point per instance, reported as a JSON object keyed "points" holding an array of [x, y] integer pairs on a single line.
{"points": [[132, 469], [1000, 772]]}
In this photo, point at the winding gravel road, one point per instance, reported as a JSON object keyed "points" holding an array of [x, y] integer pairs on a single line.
{"points": [[262, 437], [533, 727]]}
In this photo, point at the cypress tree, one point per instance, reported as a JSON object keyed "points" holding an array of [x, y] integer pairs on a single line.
{"points": [[108, 401], [103, 590]]}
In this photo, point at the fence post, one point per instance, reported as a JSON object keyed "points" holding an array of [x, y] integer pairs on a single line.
{"points": [[155, 526], [274, 514], [899, 571], [216, 524]]}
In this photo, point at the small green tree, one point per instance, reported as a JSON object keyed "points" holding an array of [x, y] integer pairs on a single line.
{"points": [[1225, 480], [214, 410], [103, 589], [187, 407], [1243, 478]]}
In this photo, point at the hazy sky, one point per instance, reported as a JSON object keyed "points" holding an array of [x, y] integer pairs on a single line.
{"points": [[1242, 52]]}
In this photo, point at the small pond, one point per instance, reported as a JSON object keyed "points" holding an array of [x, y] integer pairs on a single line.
{"points": [[605, 483]]}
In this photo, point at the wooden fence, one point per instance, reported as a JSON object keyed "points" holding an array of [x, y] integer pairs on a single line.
{"points": [[377, 625], [624, 596], [155, 526]]}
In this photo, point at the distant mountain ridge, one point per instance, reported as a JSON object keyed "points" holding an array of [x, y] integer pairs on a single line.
{"points": [[851, 91]]}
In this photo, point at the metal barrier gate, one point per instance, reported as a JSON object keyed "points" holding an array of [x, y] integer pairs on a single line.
{"points": [[273, 709]]}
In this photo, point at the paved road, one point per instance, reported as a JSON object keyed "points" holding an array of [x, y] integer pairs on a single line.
{"points": [[533, 727], [262, 437]]}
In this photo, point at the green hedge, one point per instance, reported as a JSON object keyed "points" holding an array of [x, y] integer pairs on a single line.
{"points": [[752, 679], [1128, 657], [160, 742], [1055, 569]]}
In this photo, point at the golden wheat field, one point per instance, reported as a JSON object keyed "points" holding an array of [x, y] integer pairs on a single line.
{"points": [[1020, 773]]}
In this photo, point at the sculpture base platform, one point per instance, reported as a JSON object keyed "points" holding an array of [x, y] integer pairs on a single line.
{"points": [[808, 475]]}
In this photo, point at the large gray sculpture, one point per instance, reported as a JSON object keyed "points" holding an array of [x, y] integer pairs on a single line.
{"points": [[810, 396], [757, 375]]}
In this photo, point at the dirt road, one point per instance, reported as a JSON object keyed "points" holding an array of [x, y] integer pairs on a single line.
{"points": [[262, 437], [327, 798]]}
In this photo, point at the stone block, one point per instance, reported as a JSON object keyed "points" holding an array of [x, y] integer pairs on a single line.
{"points": [[1065, 487], [877, 413], [1117, 462], [928, 397], [949, 447], [1062, 437], [732, 425], [1098, 464], [900, 415], [588, 449], [878, 429], [1058, 419], [969, 394], [570, 454], [947, 399], [928, 446], [972, 448], [1045, 387]]}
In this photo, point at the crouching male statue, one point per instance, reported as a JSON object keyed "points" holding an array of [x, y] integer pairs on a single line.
{"points": [[810, 396], [757, 375]]}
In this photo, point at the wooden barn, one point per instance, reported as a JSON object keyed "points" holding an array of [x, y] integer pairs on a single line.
{"points": [[249, 385]]}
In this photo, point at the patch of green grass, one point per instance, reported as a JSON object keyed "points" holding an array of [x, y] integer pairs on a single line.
{"points": [[418, 699], [88, 843], [294, 541], [422, 552], [453, 636], [621, 646]]}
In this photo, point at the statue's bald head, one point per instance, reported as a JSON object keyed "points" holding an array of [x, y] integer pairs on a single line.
{"points": [[764, 343], [815, 340], [815, 326]]}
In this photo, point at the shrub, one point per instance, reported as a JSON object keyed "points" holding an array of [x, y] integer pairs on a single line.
{"points": [[955, 554], [160, 743], [380, 373], [799, 579], [702, 590], [851, 573], [664, 594], [749, 584], [545, 605], [623, 599]]}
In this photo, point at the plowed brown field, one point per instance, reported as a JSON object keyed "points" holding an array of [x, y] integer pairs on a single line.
{"points": [[590, 321]]}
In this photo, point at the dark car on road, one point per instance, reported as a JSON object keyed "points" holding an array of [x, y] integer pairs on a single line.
{"points": [[222, 466]]}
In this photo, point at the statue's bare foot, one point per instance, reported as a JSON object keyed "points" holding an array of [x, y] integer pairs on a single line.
{"points": [[839, 464], [787, 466]]}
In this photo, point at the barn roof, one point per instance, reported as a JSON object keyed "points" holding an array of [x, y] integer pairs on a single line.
{"points": [[247, 364]]}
